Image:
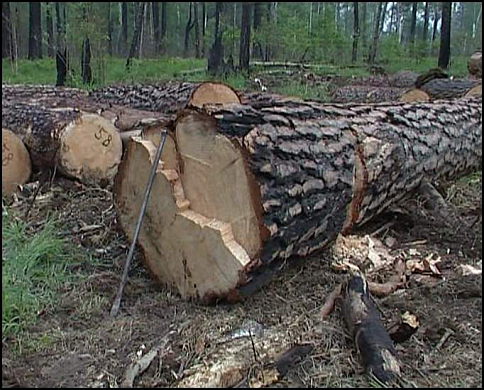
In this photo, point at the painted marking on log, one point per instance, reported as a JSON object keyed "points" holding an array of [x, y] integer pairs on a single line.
{"points": [[99, 136], [7, 155]]}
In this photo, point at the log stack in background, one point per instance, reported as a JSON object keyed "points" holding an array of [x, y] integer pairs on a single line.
{"points": [[246, 188]]}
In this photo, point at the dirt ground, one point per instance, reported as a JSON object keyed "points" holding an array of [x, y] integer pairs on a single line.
{"points": [[76, 344]]}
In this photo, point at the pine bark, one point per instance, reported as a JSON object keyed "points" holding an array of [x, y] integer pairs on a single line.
{"points": [[134, 51], [61, 53], [306, 171], [123, 29]]}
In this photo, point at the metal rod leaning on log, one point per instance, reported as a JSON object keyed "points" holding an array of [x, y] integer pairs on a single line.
{"points": [[124, 279]]}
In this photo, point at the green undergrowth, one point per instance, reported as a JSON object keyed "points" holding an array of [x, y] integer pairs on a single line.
{"points": [[34, 268]]}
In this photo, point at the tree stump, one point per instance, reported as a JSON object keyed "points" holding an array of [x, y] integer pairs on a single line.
{"points": [[16, 165]]}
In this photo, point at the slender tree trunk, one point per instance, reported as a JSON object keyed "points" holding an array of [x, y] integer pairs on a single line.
{"points": [[444, 53], [123, 29], [110, 31], [383, 17], [196, 26], [164, 11], [356, 32], [204, 25], [86, 71], [155, 11], [49, 26], [426, 22], [35, 30], [364, 38], [436, 22], [244, 54], [413, 28], [135, 44], [61, 54], [188, 28], [401, 22], [257, 49], [6, 31], [216, 57], [376, 34]]}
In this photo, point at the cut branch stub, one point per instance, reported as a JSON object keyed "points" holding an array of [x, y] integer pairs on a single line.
{"points": [[259, 185], [16, 165]]}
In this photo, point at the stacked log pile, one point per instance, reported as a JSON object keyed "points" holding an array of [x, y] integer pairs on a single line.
{"points": [[246, 188]]}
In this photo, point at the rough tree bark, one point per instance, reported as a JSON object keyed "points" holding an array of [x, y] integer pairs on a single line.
{"points": [[372, 340], [196, 26], [35, 30], [260, 184], [444, 52]]}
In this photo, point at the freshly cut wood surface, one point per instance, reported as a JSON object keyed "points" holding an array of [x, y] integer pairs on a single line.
{"points": [[261, 183], [415, 95], [16, 164]]}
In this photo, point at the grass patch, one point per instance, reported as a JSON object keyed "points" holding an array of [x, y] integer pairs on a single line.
{"points": [[34, 267]]}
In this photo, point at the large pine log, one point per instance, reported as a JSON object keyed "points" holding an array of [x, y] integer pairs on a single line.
{"points": [[16, 164], [125, 119], [83, 146], [474, 66], [246, 187], [366, 94], [168, 98], [448, 89]]}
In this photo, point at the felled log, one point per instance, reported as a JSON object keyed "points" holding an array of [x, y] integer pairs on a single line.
{"points": [[168, 98], [449, 89], [249, 188], [16, 164], [369, 335], [474, 66], [364, 94], [83, 146], [125, 119]]}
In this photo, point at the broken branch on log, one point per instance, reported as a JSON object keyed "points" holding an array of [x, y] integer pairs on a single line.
{"points": [[370, 337]]}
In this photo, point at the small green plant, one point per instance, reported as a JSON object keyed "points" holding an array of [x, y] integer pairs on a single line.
{"points": [[33, 269]]}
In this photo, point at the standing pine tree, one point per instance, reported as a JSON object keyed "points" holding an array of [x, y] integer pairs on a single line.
{"points": [[444, 53]]}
